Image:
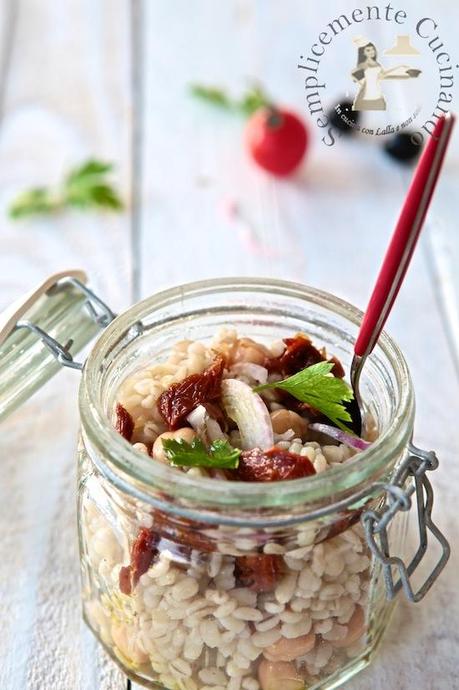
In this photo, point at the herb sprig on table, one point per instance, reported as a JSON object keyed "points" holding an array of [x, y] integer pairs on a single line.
{"points": [[85, 187], [318, 388], [252, 100], [221, 455]]}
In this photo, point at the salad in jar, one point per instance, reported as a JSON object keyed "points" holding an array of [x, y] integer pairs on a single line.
{"points": [[196, 606]]}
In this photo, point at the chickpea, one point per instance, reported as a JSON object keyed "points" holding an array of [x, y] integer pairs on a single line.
{"points": [[355, 629], [274, 676], [283, 420], [128, 649], [226, 349], [142, 448], [186, 434], [290, 649], [248, 350]]}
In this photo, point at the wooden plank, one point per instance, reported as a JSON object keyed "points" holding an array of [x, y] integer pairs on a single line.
{"points": [[66, 98]]}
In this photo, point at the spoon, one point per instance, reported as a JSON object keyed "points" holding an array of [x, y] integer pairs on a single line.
{"points": [[398, 257]]}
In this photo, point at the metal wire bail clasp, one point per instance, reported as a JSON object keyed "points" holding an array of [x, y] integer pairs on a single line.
{"points": [[99, 312], [398, 498]]}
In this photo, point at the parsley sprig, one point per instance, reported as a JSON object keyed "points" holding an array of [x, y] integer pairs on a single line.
{"points": [[84, 187], [253, 99], [322, 391], [221, 455]]}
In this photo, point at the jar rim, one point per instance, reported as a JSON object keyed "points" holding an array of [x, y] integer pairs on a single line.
{"points": [[138, 475]]}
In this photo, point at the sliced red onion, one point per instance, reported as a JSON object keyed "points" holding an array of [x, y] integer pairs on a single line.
{"points": [[250, 413], [251, 370], [341, 436]]}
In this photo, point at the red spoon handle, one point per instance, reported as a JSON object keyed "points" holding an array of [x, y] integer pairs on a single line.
{"points": [[404, 238]]}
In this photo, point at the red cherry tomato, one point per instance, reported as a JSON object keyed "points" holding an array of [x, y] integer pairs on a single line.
{"points": [[276, 139]]}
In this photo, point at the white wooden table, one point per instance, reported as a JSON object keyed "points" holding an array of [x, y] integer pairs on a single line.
{"points": [[67, 91]]}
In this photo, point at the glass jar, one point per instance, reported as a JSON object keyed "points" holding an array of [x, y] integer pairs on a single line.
{"points": [[245, 585], [201, 584]]}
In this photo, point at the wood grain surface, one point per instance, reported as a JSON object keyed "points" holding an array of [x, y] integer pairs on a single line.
{"points": [[111, 78]]}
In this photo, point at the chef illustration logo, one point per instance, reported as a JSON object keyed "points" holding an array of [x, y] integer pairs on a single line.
{"points": [[369, 74], [378, 70]]}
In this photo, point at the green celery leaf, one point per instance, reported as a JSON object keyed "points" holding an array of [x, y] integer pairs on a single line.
{"points": [[212, 95], [221, 454], [253, 100], [35, 201], [319, 389], [100, 195], [84, 187], [88, 169], [224, 454]]}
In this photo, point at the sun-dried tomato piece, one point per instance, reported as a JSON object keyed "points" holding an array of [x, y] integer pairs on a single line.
{"points": [[176, 403], [143, 552], [259, 573], [338, 369], [299, 354], [125, 579], [272, 466], [124, 424]]}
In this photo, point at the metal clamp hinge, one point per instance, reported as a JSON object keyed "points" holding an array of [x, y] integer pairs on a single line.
{"points": [[376, 523], [98, 310]]}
